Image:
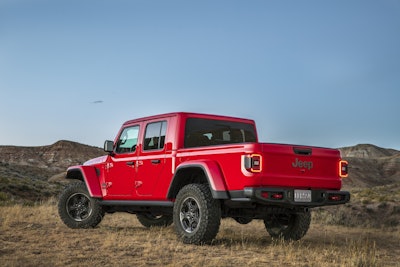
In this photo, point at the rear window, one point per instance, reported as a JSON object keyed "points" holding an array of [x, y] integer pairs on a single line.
{"points": [[206, 132]]}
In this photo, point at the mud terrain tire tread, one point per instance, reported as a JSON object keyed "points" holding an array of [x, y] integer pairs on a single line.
{"points": [[297, 227], [94, 212], [209, 218]]}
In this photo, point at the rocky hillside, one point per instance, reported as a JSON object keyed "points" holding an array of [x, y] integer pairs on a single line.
{"points": [[55, 157], [370, 166], [374, 184], [34, 173]]}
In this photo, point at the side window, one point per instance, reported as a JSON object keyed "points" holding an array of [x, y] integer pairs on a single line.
{"points": [[127, 140], [155, 135]]}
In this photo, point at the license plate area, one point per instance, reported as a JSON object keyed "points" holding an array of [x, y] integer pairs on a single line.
{"points": [[302, 195]]}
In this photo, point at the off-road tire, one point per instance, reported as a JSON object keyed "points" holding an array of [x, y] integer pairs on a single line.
{"points": [[197, 216], [77, 209], [149, 220], [243, 220], [290, 226]]}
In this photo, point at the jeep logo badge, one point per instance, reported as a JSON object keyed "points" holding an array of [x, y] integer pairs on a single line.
{"points": [[302, 164]]}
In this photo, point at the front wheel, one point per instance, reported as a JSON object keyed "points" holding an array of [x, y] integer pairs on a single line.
{"points": [[197, 215], [77, 209], [289, 226]]}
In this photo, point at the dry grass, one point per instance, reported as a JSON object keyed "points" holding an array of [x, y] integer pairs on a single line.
{"points": [[35, 236]]}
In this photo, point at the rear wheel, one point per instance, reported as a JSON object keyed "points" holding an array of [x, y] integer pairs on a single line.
{"points": [[197, 215], [289, 226], [243, 220], [150, 220], [77, 209]]}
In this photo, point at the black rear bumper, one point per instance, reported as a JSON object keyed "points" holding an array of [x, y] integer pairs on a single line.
{"points": [[286, 197]]}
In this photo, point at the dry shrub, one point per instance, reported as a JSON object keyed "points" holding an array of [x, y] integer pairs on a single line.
{"points": [[363, 253]]}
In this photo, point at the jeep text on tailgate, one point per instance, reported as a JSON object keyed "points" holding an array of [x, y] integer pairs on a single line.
{"points": [[194, 169]]}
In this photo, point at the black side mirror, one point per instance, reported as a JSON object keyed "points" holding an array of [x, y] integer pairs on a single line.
{"points": [[108, 146]]}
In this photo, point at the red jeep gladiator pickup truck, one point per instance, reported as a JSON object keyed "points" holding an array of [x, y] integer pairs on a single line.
{"points": [[194, 169]]}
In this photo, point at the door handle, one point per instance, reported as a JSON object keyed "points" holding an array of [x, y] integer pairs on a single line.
{"points": [[155, 161], [130, 163]]}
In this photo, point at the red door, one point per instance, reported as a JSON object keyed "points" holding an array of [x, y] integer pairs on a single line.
{"points": [[120, 169], [152, 161]]}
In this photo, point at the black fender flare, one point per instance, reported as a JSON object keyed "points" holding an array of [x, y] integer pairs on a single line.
{"points": [[87, 174], [212, 174]]}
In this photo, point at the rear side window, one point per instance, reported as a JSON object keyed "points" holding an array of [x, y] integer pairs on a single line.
{"points": [[155, 135], [206, 132]]}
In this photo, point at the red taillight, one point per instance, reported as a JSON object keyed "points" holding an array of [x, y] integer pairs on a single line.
{"points": [[253, 163], [272, 195], [343, 169], [277, 196], [335, 197]]}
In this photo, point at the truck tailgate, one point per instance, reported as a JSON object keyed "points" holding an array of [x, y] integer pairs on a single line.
{"points": [[300, 166]]}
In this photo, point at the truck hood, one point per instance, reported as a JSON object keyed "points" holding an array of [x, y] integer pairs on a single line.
{"points": [[96, 161]]}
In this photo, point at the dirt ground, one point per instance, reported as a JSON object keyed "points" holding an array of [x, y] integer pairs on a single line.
{"points": [[35, 236]]}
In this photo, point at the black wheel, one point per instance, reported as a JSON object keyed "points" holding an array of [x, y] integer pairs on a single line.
{"points": [[77, 209], [290, 226], [243, 220], [197, 215], [150, 220]]}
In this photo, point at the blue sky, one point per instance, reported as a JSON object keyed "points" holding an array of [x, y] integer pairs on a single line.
{"points": [[324, 73]]}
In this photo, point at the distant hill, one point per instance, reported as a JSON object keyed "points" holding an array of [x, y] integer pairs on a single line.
{"points": [[34, 173], [374, 184], [39, 169], [370, 166], [55, 157], [368, 151]]}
